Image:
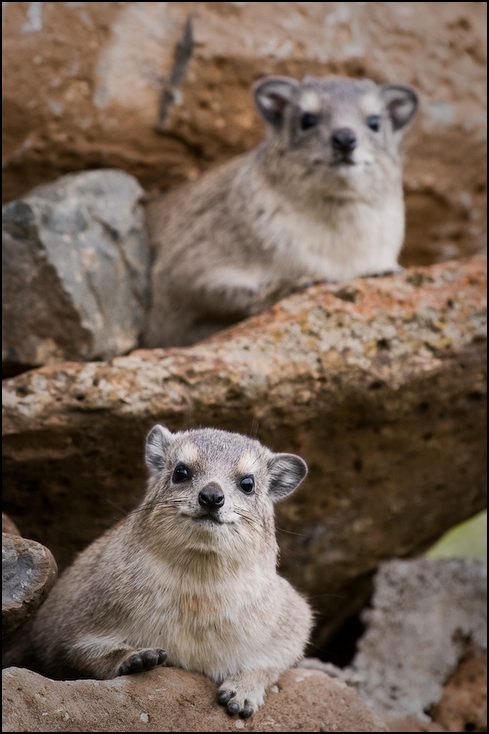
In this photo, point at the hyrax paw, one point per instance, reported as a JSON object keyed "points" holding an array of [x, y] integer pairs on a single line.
{"points": [[240, 697], [140, 660], [233, 707]]}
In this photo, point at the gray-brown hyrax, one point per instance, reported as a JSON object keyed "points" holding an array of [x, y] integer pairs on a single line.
{"points": [[188, 578], [320, 199]]}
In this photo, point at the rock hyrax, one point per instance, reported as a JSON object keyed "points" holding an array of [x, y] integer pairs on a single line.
{"points": [[189, 576], [320, 199]]}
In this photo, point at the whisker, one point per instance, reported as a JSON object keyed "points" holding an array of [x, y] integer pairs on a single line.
{"points": [[291, 532]]}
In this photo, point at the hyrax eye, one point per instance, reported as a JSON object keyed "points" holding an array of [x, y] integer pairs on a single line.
{"points": [[308, 121], [374, 123], [181, 473], [247, 484]]}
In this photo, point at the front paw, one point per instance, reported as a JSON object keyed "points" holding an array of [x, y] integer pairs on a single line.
{"points": [[242, 693], [233, 705], [138, 660]]}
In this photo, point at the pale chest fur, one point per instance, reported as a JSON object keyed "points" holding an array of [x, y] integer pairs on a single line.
{"points": [[337, 242], [216, 628]]}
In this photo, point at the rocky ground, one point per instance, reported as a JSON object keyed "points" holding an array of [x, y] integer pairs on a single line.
{"points": [[421, 665]]}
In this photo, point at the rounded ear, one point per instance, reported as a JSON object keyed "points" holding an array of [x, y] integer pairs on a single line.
{"points": [[157, 443], [401, 103], [287, 472], [272, 94]]}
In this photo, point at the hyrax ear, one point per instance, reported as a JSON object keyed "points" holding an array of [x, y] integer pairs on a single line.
{"points": [[287, 472], [157, 443], [401, 103], [272, 94]]}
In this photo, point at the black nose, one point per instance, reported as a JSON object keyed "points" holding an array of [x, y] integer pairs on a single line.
{"points": [[211, 497], [344, 139]]}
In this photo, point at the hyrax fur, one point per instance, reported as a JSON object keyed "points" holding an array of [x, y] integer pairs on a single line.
{"points": [[188, 577], [320, 199]]}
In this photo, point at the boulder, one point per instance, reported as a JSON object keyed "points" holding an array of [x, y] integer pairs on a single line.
{"points": [[75, 270], [425, 616], [422, 661], [90, 85], [168, 699], [28, 573], [463, 705], [378, 384]]}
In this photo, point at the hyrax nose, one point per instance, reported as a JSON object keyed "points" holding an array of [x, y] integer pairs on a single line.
{"points": [[211, 497], [344, 139]]}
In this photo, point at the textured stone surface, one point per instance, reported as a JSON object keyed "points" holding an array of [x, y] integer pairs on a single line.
{"points": [[412, 725], [463, 705], [176, 700], [75, 269], [379, 385], [83, 82], [425, 615], [423, 644], [28, 573]]}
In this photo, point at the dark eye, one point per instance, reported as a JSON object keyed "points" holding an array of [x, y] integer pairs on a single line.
{"points": [[308, 120], [374, 123], [181, 473], [247, 484]]}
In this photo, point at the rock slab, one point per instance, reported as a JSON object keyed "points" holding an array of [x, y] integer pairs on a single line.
{"points": [[28, 574], [176, 700], [379, 385], [75, 268]]}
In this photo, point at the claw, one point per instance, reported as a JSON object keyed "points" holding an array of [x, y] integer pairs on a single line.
{"points": [[143, 660], [232, 708], [223, 697]]}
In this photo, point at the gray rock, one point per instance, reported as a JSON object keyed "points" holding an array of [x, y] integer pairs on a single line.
{"points": [[28, 573], [424, 615], [75, 269]]}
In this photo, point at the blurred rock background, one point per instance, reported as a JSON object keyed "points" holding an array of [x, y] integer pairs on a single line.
{"points": [[83, 85]]}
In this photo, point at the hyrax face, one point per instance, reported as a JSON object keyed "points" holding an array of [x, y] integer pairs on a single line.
{"points": [[216, 487], [339, 135]]}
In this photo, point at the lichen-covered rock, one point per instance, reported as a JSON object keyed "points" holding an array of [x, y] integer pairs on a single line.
{"points": [[83, 86], [424, 616], [379, 385], [28, 573], [169, 699], [75, 270]]}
